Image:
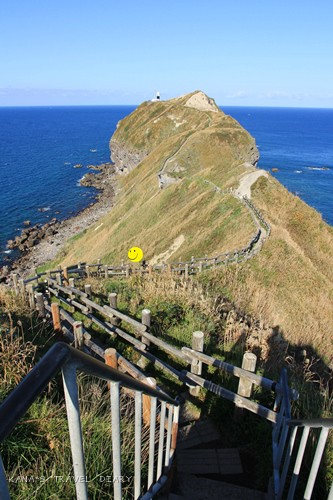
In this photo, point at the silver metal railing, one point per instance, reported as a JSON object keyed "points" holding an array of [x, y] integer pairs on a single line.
{"points": [[289, 440], [163, 423]]}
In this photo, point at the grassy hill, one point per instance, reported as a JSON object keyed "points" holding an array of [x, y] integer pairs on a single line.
{"points": [[189, 146], [164, 153]]}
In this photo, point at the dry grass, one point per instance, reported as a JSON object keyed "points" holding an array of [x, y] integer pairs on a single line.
{"points": [[206, 145], [289, 285]]}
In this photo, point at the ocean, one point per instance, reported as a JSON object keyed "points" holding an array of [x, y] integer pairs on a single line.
{"points": [[41, 148]]}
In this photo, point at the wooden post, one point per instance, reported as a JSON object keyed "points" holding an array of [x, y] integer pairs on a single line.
{"points": [[196, 365], [146, 401], [88, 270], [186, 271], [78, 334], [150, 269], [111, 358], [87, 289], [245, 385], [146, 320], [106, 271], [127, 271], [31, 296], [169, 270], [200, 266], [113, 303], [56, 317], [58, 278], [40, 306], [65, 274], [71, 282]]}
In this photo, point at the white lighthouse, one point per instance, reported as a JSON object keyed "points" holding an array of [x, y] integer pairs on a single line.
{"points": [[157, 98]]}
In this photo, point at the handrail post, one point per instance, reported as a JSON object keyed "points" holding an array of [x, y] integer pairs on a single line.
{"points": [[111, 358], [88, 291], [137, 444], [113, 301], [116, 445], [161, 441], [151, 459], [245, 385], [75, 431], [146, 321], [56, 317], [78, 334], [196, 365], [127, 271], [106, 271], [40, 306], [316, 463], [146, 401]]}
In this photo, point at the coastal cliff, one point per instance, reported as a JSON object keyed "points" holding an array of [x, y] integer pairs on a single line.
{"points": [[185, 123]]}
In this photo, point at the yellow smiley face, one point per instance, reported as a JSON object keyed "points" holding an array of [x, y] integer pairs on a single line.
{"points": [[135, 254]]}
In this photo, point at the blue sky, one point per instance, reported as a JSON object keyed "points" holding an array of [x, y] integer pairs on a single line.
{"points": [[242, 52]]}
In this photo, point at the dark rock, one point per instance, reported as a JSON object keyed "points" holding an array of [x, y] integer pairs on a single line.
{"points": [[11, 244], [32, 242]]}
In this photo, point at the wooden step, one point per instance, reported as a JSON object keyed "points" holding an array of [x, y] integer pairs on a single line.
{"points": [[193, 487], [196, 434], [209, 461]]}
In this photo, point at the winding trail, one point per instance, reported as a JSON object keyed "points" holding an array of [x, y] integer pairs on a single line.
{"points": [[248, 179]]}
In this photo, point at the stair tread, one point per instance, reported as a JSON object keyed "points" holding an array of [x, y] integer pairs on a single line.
{"points": [[207, 489], [209, 461], [196, 434]]}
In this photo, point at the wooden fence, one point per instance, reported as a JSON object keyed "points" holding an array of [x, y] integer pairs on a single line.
{"points": [[184, 268], [59, 302]]}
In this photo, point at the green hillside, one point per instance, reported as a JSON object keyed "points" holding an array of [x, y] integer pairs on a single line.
{"points": [[164, 153]]}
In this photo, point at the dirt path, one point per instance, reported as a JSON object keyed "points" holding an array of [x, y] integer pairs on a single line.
{"points": [[244, 188]]}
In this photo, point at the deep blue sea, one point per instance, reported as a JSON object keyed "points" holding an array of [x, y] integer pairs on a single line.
{"points": [[39, 147]]}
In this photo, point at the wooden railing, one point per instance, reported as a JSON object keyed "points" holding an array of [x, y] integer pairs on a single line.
{"points": [[57, 302]]}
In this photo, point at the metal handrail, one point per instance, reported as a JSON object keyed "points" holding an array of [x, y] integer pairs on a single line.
{"points": [[315, 423], [64, 357], [286, 447], [21, 398]]}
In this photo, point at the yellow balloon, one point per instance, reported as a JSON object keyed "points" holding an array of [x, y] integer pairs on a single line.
{"points": [[135, 254]]}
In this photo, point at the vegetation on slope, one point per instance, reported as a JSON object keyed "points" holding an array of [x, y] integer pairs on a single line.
{"points": [[190, 146], [289, 284]]}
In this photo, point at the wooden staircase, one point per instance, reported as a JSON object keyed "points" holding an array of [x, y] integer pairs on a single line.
{"points": [[202, 466]]}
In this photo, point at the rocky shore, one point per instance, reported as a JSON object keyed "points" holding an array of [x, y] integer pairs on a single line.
{"points": [[41, 243]]}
